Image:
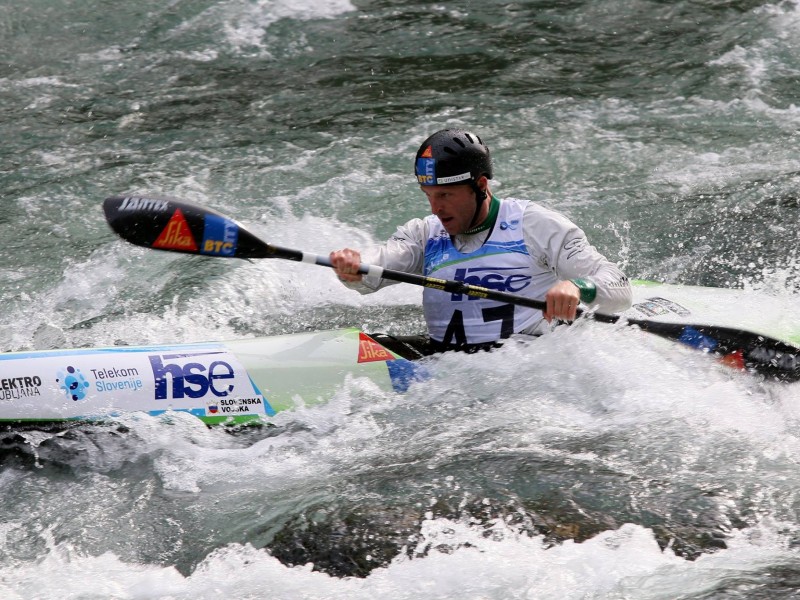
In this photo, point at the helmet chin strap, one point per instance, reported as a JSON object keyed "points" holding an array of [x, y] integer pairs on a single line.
{"points": [[480, 198]]}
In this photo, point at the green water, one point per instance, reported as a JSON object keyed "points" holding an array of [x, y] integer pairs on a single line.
{"points": [[667, 130]]}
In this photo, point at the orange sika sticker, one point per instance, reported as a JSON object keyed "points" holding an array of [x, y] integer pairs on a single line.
{"points": [[176, 235], [427, 154], [371, 351]]}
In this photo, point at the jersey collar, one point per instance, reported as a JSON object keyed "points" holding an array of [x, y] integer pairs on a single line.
{"points": [[488, 222]]}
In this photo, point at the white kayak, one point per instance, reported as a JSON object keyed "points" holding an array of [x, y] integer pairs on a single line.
{"points": [[252, 379]]}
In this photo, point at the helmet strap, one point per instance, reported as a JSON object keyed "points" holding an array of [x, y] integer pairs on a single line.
{"points": [[480, 198], [491, 217]]}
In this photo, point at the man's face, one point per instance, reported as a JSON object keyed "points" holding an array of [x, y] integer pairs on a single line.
{"points": [[453, 204]]}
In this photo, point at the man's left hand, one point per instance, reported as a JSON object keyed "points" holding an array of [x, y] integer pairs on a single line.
{"points": [[562, 301]]}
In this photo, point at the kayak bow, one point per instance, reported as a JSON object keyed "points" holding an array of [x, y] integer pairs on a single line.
{"points": [[219, 382]]}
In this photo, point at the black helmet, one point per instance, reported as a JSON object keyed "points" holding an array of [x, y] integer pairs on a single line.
{"points": [[452, 156]]}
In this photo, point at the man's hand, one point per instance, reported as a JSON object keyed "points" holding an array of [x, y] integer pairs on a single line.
{"points": [[562, 301], [345, 263]]}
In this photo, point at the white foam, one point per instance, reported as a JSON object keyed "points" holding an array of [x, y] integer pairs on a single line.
{"points": [[35, 82], [669, 410], [464, 562], [245, 24]]}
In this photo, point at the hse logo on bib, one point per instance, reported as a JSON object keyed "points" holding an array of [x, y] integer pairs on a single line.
{"points": [[501, 279]]}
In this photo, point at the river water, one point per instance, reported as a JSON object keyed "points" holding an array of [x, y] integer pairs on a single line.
{"points": [[596, 463]]}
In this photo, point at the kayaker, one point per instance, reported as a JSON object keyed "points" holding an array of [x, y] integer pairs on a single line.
{"points": [[511, 245]]}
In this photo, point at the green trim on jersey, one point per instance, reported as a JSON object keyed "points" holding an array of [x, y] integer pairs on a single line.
{"points": [[494, 209]]}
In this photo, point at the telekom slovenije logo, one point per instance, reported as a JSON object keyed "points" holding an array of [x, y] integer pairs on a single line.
{"points": [[72, 383]]}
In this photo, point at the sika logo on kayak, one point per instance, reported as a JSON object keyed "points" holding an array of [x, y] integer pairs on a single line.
{"points": [[371, 351], [501, 279], [184, 376]]}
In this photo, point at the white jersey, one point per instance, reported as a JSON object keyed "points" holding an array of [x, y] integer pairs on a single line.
{"points": [[501, 263], [558, 251]]}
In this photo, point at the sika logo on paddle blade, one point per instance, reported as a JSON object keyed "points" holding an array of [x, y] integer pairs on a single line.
{"points": [[371, 351], [176, 235]]}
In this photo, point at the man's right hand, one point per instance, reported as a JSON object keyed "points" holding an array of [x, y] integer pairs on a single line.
{"points": [[345, 263]]}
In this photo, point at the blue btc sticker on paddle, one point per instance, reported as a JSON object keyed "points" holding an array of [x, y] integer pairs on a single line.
{"points": [[219, 236]]}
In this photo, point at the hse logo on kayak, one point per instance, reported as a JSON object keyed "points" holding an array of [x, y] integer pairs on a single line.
{"points": [[15, 388], [219, 236], [191, 375], [501, 279]]}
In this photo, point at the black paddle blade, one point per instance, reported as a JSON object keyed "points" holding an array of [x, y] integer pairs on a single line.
{"points": [[164, 223], [735, 347]]}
